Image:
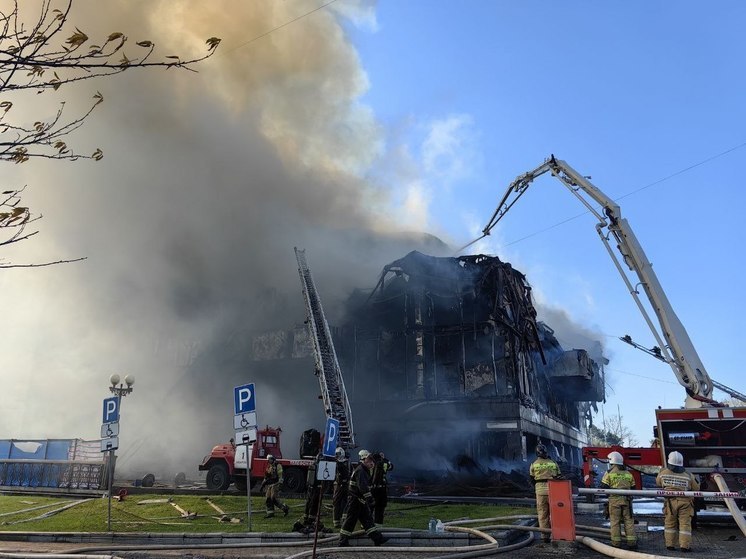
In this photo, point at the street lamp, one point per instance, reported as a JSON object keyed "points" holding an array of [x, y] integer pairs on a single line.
{"points": [[120, 392]]}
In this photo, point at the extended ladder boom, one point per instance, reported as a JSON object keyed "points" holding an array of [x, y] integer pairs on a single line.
{"points": [[675, 347], [333, 393]]}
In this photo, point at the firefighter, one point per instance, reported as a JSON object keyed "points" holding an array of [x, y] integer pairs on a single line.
{"points": [[541, 471], [677, 511], [379, 485], [341, 480], [314, 490], [359, 502], [620, 506], [271, 484]]}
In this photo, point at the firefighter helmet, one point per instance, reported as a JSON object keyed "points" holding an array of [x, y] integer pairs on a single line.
{"points": [[675, 459], [363, 454], [541, 451], [270, 458], [615, 458], [340, 453]]}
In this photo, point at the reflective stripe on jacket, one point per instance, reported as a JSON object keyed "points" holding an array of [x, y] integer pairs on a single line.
{"points": [[542, 470], [359, 485], [273, 473], [618, 478], [676, 481]]}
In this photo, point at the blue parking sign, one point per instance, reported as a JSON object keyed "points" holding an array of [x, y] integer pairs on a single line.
{"points": [[244, 399], [331, 436], [111, 410]]}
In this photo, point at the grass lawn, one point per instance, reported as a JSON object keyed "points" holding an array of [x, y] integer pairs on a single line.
{"points": [[23, 513]]}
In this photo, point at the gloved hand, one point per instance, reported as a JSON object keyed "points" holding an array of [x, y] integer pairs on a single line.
{"points": [[371, 502]]}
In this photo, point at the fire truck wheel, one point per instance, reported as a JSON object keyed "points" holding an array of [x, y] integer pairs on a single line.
{"points": [[295, 480], [217, 477]]}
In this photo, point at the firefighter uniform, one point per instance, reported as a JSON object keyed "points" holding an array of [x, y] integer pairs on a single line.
{"points": [[541, 471], [359, 501], [272, 483], [677, 511], [620, 506], [339, 498], [379, 485], [314, 490]]}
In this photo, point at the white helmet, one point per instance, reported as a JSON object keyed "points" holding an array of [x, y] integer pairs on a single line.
{"points": [[363, 454], [340, 453], [675, 459], [270, 458], [615, 458]]}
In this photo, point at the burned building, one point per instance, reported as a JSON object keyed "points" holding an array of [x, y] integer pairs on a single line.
{"points": [[445, 365]]}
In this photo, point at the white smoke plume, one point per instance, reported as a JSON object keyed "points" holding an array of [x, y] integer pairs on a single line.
{"points": [[208, 182]]}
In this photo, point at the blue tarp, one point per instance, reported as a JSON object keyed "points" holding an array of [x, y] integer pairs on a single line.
{"points": [[39, 449], [24, 474]]}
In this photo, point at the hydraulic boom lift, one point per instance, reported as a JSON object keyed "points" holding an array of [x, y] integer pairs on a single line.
{"points": [[711, 437], [332, 384], [674, 346]]}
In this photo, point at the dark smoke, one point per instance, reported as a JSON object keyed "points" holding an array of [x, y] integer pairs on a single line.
{"points": [[208, 182], [189, 223]]}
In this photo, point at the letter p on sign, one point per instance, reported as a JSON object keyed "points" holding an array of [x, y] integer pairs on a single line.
{"points": [[244, 399], [111, 410], [331, 437]]}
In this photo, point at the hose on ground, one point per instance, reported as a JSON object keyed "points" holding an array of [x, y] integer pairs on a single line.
{"points": [[503, 549], [487, 548], [163, 547], [54, 556]]}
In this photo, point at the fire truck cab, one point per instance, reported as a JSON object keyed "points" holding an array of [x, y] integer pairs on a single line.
{"points": [[226, 463]]}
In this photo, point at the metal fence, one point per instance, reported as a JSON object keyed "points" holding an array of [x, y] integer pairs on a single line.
{"points": [[53, 473]]}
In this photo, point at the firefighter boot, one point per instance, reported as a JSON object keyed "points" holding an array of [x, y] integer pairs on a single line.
{"points": [[285, 510], [344, 541], [378, 538]]}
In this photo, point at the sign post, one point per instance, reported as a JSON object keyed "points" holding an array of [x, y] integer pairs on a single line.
{"points": [[244, 423], [110, 442], [325, 469]]}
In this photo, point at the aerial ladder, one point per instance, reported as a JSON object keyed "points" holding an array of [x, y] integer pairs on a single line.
{"points": [[333, 393], [674, 345]]}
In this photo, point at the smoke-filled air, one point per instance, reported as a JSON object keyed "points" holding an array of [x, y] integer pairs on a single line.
{"points": [[208, 181]]}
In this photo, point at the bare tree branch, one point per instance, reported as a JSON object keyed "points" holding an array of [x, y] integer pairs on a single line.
{"points": [[44, 56], [40, 59], [6, 266]]}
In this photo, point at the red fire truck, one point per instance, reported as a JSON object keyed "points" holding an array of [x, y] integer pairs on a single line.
{"points": [[226, 463]]}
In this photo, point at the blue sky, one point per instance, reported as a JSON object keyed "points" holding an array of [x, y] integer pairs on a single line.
{"points": [[630, 93]]}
